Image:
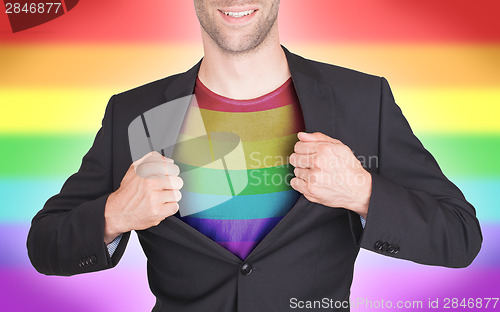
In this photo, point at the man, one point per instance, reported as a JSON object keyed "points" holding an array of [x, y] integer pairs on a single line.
{"points": [[236, 256]]}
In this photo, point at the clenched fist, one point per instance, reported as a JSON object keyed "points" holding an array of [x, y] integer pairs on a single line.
{"points": [[148, 193], [327, 172]]}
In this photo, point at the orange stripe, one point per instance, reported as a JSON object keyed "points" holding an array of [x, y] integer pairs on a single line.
{"points": [[122, 67]]}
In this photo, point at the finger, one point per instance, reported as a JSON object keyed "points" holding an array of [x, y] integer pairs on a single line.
{"points": [[172, 183], [312, 147], [134, 165], [172, 169], [171, 208], [157, 157], [157, 169], [316, 137], [301, 186], [302, 161], [170, 196], [146, 156], [169, 160], [151, 170], [165, 183], [311, 176], [298, 184], [302, 173]]}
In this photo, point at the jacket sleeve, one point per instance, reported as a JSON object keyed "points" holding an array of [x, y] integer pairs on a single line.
{"points": [[415, 212], [67, 236]]}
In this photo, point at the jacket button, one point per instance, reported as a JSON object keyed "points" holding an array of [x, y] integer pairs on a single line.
{"points": [[390, 249], [396, 249], [378, 245], [82, 263], [385, 245], [246, 269], [93, 260]]}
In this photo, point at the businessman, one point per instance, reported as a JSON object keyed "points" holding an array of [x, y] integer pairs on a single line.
{"points": [[271, 242]]}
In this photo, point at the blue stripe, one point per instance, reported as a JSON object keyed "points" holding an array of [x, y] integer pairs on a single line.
{"points": [[238, 207], [484, 195], [21, 199]]}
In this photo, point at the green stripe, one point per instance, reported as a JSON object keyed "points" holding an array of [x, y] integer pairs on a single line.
{"points": [[258, 181], [42, 155], [60, 155], [465, 155]]}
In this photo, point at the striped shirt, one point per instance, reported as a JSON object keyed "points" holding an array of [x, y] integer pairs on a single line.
{"points": [[233, 156]]}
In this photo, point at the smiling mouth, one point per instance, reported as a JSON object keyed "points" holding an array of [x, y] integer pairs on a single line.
{"points": [[239, 14]]}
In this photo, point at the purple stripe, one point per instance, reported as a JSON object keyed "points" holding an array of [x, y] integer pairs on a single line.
{"points": [[241, 249], [119, 289], [25, 290], [247, 230]]}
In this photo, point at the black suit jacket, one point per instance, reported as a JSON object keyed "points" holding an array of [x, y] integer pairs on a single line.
{"points": [[415, 212]]}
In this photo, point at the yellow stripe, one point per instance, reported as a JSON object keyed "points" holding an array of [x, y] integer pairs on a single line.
{"points": [[258, 154], [127, 66], [451, 109], [81, 110], [52, 110], [269, 153]]}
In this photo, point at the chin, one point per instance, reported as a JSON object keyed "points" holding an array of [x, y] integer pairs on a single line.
{"points": [[239, 44]]}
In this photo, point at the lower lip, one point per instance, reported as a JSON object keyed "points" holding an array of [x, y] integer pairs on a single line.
{"points": [[237, 20]]}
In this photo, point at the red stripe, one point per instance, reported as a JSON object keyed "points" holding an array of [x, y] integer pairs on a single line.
{"points": [[391, 20], [313, 20], [284, 95]]}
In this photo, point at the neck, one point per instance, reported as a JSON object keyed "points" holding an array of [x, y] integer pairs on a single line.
{"points": [[245, 75]]}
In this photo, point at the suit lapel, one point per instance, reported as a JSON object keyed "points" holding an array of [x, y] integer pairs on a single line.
{"points": [[317, 104], [316, 99], [183, 84]]}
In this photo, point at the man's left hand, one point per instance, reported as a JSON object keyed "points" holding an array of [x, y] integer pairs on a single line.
{"points": [[328, 173]]}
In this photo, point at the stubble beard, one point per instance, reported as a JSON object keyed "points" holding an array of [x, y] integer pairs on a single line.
{"points": [[244, 45]]}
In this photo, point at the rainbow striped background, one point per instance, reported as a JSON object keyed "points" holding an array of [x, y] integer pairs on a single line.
{"points": [[442, 59]]}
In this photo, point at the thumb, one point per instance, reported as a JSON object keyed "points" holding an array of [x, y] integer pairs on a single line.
{"points": [[316, 137], [151, 157]]}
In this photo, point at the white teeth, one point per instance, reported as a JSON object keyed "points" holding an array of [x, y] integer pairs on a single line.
{"points": [[239, 14]]}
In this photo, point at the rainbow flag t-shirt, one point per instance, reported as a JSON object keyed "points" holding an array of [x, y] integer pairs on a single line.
{"points": [[233, 156]]}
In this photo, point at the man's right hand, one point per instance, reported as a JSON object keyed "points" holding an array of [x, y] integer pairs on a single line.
{"points": [[148, 193]]}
